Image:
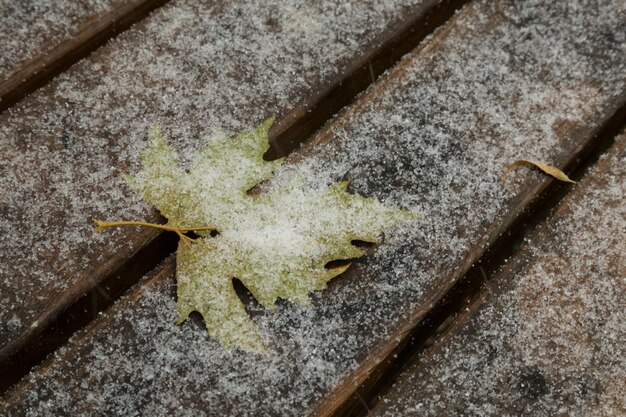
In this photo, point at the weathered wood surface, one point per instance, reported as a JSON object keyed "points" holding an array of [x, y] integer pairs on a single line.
{"points": [[28, 29], [192, 67], [549, 338], [503, 80], [39, 39]]}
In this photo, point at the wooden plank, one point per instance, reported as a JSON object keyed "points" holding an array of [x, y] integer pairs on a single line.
{"points": [[548, 339], [30, 30], [40, 39], [503, 80], [192, 67]]}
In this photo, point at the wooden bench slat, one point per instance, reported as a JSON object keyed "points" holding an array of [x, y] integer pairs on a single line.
{"points": [[42, 38], [192, 67], [28, 29], [549, 339], [503, 80]]}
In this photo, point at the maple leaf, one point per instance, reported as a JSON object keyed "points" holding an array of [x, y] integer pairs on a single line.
{"points": [[277, 242]]}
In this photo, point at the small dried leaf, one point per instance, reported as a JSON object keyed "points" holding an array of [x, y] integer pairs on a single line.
{"points": [[548, 169]]}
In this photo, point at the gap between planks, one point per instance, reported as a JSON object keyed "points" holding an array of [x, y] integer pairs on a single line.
{"points": [[93, 33], [588, 135], [86, 308], [451, 308], [285, 136], [501, 275]]}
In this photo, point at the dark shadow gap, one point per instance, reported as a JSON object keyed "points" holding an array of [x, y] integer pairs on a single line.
{"points": [[363, 244], [246, 297], [338, 263], [194, 236]]}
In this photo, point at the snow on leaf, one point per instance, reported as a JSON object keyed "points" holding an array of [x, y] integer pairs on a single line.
{"points": [[277, 242], [548, 169]]}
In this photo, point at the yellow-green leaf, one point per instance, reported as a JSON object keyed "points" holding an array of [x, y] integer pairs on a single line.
{"points": [[277, 242]]}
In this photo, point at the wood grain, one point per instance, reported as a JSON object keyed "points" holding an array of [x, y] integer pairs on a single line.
{"points": [[187, 67], [434, 134], [58, 53], [302, 122], [546, 338]]}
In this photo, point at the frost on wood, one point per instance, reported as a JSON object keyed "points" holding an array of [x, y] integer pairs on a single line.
{"points": [[549, 340], [276, 242], [188, 65], [504, 77], [31, 28]]}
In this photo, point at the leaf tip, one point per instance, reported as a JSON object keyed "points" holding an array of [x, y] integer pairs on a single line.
{"points": [[267, 123], [343, 185], [131, 180], [155, 130], [263, 130], [181, 318], [410, 215], [334, 272]]}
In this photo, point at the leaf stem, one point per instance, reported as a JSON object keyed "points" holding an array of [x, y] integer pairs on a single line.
{"points": [[180, 231]]}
